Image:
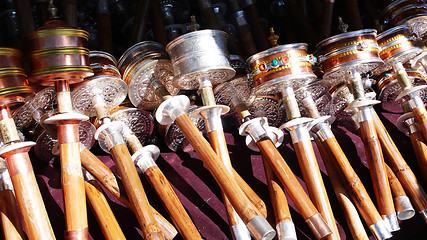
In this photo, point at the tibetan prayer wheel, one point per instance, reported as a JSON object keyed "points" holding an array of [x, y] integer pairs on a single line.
{"points": [[225, 91], [412, 12], [142, 64], [59, 52], [353, 50], [282, 65], [270, 108], [13, 80]]}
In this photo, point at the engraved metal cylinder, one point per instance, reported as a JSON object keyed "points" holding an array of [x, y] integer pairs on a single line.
{"points": [[200, 53]]}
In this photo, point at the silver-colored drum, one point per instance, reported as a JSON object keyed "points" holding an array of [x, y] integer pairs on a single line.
{"points": [[200, 53]]}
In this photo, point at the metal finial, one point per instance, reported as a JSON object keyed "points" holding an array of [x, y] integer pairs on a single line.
{"points": [[273, 37], [342, 26], [194, 26], [52, 9]]}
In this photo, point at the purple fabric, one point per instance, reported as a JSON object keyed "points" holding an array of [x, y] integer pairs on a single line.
{"points": [[201, 196]]}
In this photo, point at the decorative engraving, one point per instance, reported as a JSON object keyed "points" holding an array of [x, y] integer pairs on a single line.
{"points": [[140, 122]]}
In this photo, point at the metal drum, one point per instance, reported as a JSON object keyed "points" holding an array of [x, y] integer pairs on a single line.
{"points": [[269, 107], [389, 88], [105, 87], [282, 65], [141, 65], [397, 45], [225, 91], [200, 53], [410, 12], [13, 81], [59, 52]]}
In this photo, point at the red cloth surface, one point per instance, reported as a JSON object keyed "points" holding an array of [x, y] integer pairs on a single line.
{"points": [[201, 196]]}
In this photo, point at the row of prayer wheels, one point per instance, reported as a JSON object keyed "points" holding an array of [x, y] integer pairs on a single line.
{"points": [[74, 96]]}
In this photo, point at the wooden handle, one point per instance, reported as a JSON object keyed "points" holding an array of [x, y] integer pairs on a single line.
{"points": [[159, 29], [219, 145], [420, 148], [260, 35], [253, 197], [403, 172], [9, 214], [105, 35], [141, 19], [312, 177], [351, 215], [135, 192], [375, 160], [353, 13], [420, 115], [33, 211], [69, 8], [277, 195], [172, 204], [247, 211], [396, 188], [105, 217], [115, 186], [245, 37], [73, 190], [287, 178], [354, 186], [326, 19], [25, 17]]}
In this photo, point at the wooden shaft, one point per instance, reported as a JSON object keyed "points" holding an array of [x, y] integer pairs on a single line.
{"points": [[403, 172], [25, 17], [219, 145], [42, 12], [287, 178], [375, 160], [9, 215], [326, 19], [396, 188], [247, 41], [420, 115], [28, 196], [351, 216], [247, 211], [105, 35], [159, 29], [135, 192], [115, 186], [353, 184], [105, 217], [304, 28], [260, 35], [313, 179], [355, 22], [253, 197], [277, 195], [420, 148], [72, 182], [170, 200], [69, 7], [209, 15], [141, 20]]}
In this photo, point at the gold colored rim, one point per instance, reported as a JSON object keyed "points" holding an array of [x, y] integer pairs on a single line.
{"points": [[352, 52], [18, 89], [388, 50], [60, 32], [339, 46], [392, 39], [279, 58], [10, 51], [61, 69], [12, 71], [60, 50], [290, 65]]}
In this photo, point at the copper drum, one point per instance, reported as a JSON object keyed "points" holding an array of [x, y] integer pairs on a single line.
{"points": [[409, 12], [200, 53], [389, 89], [397, 45], [282, 65], [174, 138], [339, 54], [13, 81], [59, 52], [142, 64], [105, 85]]}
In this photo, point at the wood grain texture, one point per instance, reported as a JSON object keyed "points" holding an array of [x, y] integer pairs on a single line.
{"points": [[277, 195], [420, 148], [403, 172], [377, 169], [352, 181], [28, 196], [9, 215], [73, 187], [172, 204], [287, 178], [350, 212], [315, 186], [102, 211], [420, 115], [135, 192], [115, 186], [246, 210]]}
